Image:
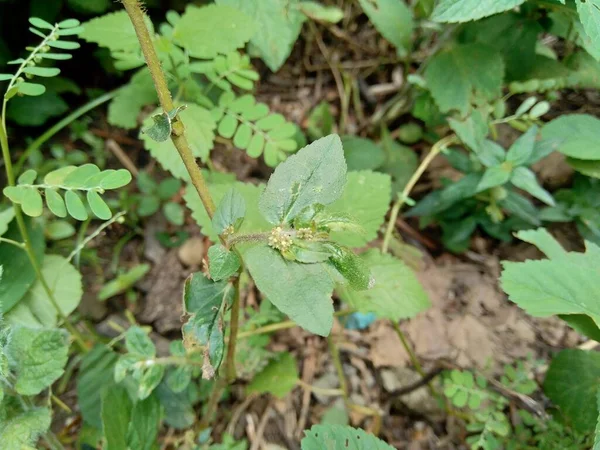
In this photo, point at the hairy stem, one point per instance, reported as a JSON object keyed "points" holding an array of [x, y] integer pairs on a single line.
{"points": [[178, 138], [435, 150]]}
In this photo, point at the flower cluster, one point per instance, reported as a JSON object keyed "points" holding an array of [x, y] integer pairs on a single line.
{"points": [[280, 239]]}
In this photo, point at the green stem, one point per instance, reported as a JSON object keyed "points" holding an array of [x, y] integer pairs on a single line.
{"points": [[178, 138], [60, 125], [10, 175], [21, 245], [337, 363], [250, 237], [435, 150], [234, 324]]}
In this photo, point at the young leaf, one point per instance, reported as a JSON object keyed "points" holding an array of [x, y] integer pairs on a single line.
{"points": [[447, 68], [203, 301], [276, 25], [571, 383], [520, 152], [222, 263], [278, 378], [314, 175], [223, 29], [472, 131], [38, 357], [160, 130], [306, 295], [525, 179], [465, 10], [36, 309], [394, 20], [337, 437], [494, 176], [149, 380], [138, 343], [396, 292], [230, 211]]}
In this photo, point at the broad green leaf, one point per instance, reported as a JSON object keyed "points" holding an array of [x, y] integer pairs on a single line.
{"points": [[149, 380], [393, 19], [123, 282], [31, 202], [278, 24], [452, 87], [203, 301], [209, 30], [338, 437], [178, 406], [589, 168], [564, 284], [138, 343], [494, 176], [362, 154], [525, 179], [36, 308], [145, 421], [465, 10], [230, 211], [316, 11], [98, 206], [17, 267], [544, 241], [114, 179], [179, 378], [353, 268], [33, 89], [75, 206], [583, 324], [125, 107], [222, 263], [35, 111], [42, 71], [396, 292], [114, 31], [365, 200], [116, 417], [305, 296], [22, 431], [589, 15], [40, 23], [253, 220], [199, 129], [37, 356], [6, 218], [578, 134], [95, 376], [520, 152], [314, 175], [55, 203], [572, 383], [278, 378]]}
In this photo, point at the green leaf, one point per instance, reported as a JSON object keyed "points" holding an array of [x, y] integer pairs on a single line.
{"points": [[95, 376], [86, 7], [338, 437], [203, 301], [583, 324], [42, 71], [148, 205], [316, 11], [55, 203], [199, 129], [253, 220], [125, 107], [38, 357], [544, 241], [22, 431], [168, 188], [149, 380], [174, 213], [31, 202], [32, 89], [278, 378], [520, 152], [465, 10], [36, 308], [589, 168], [75, 206], [178, 407], [579, 135], [494, 176], [589, 15], [314, 175], [207, 31], [17, 267], [98, 206], [160, 130], [138, 343], [396, 293], [401, 162], [362, 154], [114, 31], [6, 218], [394, 20], [571, 382], [145, 421], [305, 296], [525, 179], [365, 199], [230, 211], [35, 111], [114, 179], [40, 23], [123, 282], [353, 268], [564, 284], [116, 417], [472, 131], [278, 24], [452, 87], [222, 263]]}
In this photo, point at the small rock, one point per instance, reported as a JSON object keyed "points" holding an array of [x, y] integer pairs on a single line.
{"points": [[327, 381], [191, 252], [419, 400]]}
